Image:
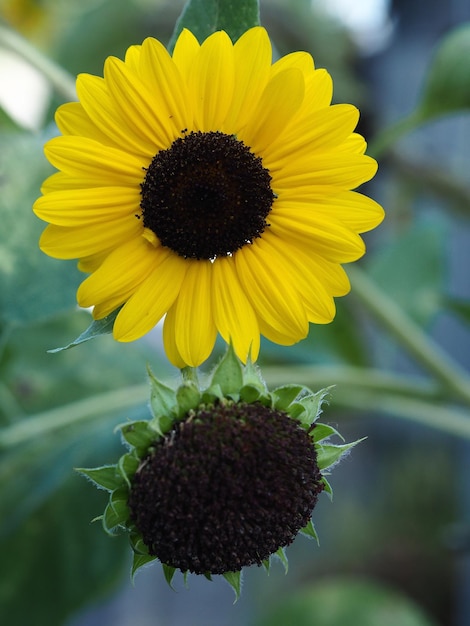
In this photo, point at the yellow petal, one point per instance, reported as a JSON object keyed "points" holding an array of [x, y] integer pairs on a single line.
{"points": [[103, 109], [79, 156], [152, 299], [186, 50], [253, 55], [353, 209], [325, 237], [233, 313], [160, 74], [72, 119], [194, 325], [121, 272], [306, 277], [169, 338], [270, 289], [319, 131], [79, 207], [279, 101], [138, 104], [211, 81], [63, 242], [340, 170]]}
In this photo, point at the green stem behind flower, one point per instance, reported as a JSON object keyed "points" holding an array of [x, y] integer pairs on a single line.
{"points": [[410, 335], [60, 80]]}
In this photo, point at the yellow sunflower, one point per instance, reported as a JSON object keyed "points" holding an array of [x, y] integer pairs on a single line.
{"points": [[211, 187]]}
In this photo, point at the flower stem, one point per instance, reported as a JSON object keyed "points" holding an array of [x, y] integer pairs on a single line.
{"points": [[61, 80], [410, 335], [42, 424], [390, 135], [190, 375]]}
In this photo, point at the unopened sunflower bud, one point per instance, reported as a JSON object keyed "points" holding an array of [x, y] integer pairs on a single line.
{"points": [[225, 483]]}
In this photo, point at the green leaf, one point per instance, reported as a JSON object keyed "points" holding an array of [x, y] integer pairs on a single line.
{"points": [[446, 89], [95, 329], [204, 17], [412, 269], [329, 454], [459, 307], [105, 477], [234, 579], [228, 373], [34, 286], [343, 601]]}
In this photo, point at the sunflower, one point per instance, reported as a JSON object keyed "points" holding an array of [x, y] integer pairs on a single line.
{"points": [[211, 187]]}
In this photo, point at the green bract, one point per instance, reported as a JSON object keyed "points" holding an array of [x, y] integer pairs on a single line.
{"points": [[205, 480]]}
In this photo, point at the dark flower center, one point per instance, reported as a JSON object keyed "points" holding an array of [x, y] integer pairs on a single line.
{"points": [[207, 195], [225, 488]]}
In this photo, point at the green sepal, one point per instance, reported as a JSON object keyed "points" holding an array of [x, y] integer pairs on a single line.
{"points": [[329, 454], [127, 467], [115, 514], [212, 395], [228, 374], [252, 377], [267, 564], [208, 576], [139, 434], [188, 397], [308, 408], [104, 477], [285, 395], [168, 572], [249, 394], [162, 403], [234, 579], [138, 561], [327, 488], [281, 554], [137, 543], [309, 531], [324, 431]]}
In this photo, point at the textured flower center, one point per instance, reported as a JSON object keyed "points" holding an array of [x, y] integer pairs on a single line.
{"points": [[207, 195], [225, 488]]}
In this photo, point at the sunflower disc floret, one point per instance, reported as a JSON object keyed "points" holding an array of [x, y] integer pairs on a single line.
{"points": [[221, 477]]}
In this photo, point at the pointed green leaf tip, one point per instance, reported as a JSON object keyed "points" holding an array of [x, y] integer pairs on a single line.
{"points": [[95, 329], [329, 454], [234, 579], [105, 477]]}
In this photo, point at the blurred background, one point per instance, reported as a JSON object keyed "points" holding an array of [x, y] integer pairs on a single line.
{"points": [[395, 541]]}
